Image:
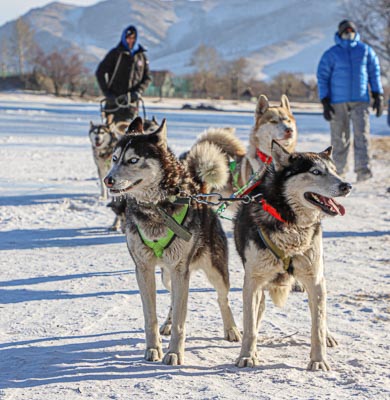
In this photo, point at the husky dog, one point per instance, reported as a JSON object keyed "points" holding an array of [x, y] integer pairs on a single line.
{"points": [[271, 122], [103, 140], [280, 237], [161, 230], [118, 204]]}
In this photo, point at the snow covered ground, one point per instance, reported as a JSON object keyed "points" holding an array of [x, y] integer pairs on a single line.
{"points": [[71, 323]]}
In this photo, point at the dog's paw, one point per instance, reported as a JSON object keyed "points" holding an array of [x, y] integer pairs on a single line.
{"points": [[233, 334], [173, 359], [165, 329], [318, 365], [153, 354], [247, 362], [331, 341]]}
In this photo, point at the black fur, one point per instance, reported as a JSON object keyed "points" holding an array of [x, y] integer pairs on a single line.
{"points": [[271, 189]]}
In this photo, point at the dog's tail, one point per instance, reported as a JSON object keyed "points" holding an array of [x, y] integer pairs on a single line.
{"points": [[225, 139], [207, 163]]}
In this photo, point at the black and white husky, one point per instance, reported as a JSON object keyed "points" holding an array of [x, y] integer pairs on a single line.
{"points": [[279, 237], [118, 204], [103, 140], [161, 230]]}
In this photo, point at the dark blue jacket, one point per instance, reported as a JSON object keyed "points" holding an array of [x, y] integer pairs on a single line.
{"points": [[346, 69]]}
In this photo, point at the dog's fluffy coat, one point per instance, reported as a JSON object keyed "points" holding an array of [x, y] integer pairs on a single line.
{"points": [[300, 186], [146, 171]]}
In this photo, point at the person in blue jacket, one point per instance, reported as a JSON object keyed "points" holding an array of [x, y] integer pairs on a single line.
{"points": [[345, 74]]}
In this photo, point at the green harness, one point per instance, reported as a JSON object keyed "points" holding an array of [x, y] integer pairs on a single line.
{"points": [[235, 174], [158, 246]]}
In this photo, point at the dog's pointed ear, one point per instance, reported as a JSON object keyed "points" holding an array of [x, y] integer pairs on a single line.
{"points": [[91, 125], [328, 152], [280, 156], [161, 133], [284, 102], [262, 106], [154, 120], [136, 126], [119, 129]]}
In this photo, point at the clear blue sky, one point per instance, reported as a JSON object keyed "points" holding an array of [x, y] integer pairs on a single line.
{"points": [[12, 9]]}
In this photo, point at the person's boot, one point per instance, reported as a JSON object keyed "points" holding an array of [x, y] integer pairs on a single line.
{"points": [[364, 175]]}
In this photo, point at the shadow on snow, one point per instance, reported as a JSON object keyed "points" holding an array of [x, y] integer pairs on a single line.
{"points": [[20, 239]]}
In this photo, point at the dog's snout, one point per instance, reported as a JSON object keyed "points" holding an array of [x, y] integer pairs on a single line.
{"points": [[288, 133], [109, 181], [345, 187]]}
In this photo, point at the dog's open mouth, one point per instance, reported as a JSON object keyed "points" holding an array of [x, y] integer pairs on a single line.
{"points": [[327, 204], [126, 189]]}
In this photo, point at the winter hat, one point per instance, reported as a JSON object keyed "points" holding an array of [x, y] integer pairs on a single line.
{"points": [[131, 31], [343, 25]]}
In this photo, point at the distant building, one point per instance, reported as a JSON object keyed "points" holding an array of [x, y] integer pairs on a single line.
{"points": [[162, 84]]}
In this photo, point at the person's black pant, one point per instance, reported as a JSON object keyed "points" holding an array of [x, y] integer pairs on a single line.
{"points": [[124, 114], [114, 113]]}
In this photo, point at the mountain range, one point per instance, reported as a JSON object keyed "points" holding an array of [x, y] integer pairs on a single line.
{"points": [[274, 36]]}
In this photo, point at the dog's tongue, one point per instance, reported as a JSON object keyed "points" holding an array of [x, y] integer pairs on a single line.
{"points": [[337, 207]]}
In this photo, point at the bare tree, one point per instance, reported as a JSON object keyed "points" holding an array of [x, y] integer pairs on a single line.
{"points": [[372, 18], [235, 75], [207, 62], [61, 68], [22, 44], [4, 57], [75, 71]]}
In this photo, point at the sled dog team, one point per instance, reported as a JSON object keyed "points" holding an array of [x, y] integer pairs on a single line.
{"points": [[277, 230]]}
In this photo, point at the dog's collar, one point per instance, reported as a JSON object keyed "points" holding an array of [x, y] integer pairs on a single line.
{"points": [[263, 157], [271, 210], [275, 250]]}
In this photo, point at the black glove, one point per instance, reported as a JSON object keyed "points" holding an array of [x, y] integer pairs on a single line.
{"points": [[134, 96], [377, 105], [328, 109]]}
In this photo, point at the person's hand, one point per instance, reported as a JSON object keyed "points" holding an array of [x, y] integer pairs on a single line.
{"points": [[328, 109], [134, 96], [377, 105]]}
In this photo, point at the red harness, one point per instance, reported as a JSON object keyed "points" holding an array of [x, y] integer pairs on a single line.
{"points": [[266, 207]]}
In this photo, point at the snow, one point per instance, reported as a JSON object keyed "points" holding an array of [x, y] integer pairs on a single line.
{"points": [[71, 323]]}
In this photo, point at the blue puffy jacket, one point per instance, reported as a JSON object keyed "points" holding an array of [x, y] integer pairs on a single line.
{"points": [[346, 69]]}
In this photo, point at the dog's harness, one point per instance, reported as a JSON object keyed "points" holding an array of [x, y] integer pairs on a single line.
{"points": [[174, 228], [276, 251]]}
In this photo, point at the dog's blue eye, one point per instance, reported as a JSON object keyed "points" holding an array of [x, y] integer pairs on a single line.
{"points": [[133, 160], [114, 158], [316, 172]]}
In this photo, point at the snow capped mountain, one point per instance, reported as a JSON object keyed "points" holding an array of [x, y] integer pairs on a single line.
{"points": [[275, 36]]}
